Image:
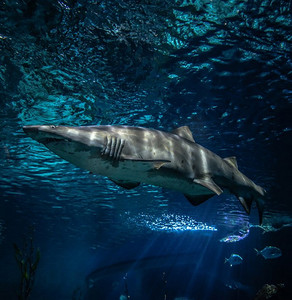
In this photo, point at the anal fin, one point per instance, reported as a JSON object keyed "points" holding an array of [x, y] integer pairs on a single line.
{"points": [[246, 203]]}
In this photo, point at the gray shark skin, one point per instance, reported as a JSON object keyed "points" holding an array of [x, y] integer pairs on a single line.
{"points": [[131, 155]]}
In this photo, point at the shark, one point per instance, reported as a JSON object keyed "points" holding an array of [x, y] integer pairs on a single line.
{"points": [[132, 155]]}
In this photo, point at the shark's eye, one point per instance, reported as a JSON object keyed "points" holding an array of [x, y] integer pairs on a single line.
{"points": [[53, 126]]}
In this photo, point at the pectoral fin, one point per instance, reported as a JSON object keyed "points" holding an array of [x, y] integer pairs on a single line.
{"points": [[126, 184], [208, 183], [197, 200]]}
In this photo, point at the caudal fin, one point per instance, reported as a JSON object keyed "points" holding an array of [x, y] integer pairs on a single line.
{"points": [[259, 199], [260, 206], [246, 201]]}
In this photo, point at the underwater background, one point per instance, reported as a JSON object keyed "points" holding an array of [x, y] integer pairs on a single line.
{"points": [[223, 68]]}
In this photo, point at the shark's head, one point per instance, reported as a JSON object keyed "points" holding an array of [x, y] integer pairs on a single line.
{"points": [[66, 141], [47, 134]]}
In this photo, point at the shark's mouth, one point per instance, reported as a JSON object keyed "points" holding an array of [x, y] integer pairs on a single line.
{"points": [[50, 140]]}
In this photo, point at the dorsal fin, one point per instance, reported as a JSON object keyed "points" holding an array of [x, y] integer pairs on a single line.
{"points": [[184, 132], [232, 161]]}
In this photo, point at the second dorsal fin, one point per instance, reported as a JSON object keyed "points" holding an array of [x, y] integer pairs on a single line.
{"points": [[232, 161], [184, 132]]}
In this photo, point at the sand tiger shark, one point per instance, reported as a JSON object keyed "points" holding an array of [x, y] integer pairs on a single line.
{"points": [[131, 155]]}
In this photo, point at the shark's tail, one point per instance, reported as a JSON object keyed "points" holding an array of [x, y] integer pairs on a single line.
{"points": [[258, 195], [226, 260], [257, 251], [260, 206], [259, 199]]}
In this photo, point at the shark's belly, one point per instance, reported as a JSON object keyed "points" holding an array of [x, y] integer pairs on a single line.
{"points": [[177, 183], [142, 172], [133, 171]]}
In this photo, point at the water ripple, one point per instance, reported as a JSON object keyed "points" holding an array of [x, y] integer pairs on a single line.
{"points": [[221, 67]]}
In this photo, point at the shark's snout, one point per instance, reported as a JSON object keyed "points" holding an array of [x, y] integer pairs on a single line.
{"points": [[47, 134], [30, 129], [39, 133]]}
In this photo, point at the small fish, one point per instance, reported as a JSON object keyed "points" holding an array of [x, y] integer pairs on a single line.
{"points": [[234, 260], [269, 252], [242, 234]]}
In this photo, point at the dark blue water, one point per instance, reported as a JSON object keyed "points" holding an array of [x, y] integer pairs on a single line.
{"points": [[223, 68]]}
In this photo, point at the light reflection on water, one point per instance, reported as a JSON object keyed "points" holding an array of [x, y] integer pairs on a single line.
{"points": [[241, 234], [170, 223]]}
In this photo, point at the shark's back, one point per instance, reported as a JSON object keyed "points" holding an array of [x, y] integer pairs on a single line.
{"points": [[151, 144]]}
